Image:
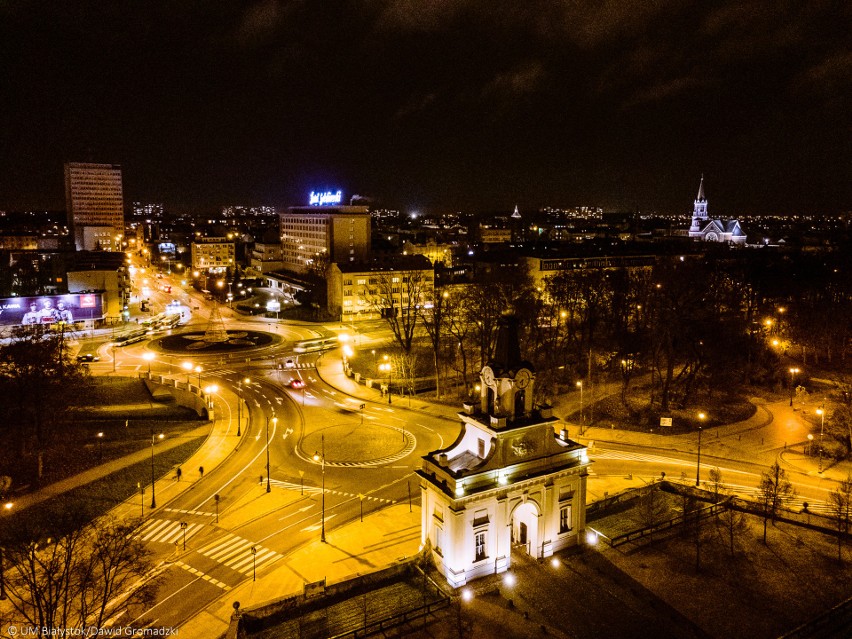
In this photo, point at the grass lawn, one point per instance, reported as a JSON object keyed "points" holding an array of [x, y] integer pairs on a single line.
{"points": [[98, 497], [125, 415], [760, 591]]}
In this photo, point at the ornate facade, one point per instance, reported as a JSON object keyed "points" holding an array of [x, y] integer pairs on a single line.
{"points": [[703, 228], [509, 482]]}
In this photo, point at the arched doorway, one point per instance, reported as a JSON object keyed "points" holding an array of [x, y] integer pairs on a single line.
{"points": [[525, 528]]}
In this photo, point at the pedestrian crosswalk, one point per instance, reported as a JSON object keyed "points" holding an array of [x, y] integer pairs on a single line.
{"points": [[167, 531], [317, 490], [239, 554]]}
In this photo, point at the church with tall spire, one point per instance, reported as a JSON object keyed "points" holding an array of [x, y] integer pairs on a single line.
{"points": [[708, 230]]}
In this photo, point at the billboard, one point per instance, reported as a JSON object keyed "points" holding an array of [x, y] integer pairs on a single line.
{"points": [[50, 309]]}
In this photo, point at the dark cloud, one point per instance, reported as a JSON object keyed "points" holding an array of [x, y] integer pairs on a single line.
{"points": [[456, 103]]}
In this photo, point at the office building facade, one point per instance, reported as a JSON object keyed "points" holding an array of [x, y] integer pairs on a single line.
{"points": [[94, 200]]}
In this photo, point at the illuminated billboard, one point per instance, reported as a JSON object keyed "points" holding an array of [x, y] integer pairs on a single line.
{"points": [[50, 309], [329, 197]]}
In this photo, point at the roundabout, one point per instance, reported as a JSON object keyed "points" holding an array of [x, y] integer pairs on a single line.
{"points": [[353, 445], [199, 342]]}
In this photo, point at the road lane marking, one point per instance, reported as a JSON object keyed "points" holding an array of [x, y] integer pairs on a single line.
{"points": [[204, 576]]}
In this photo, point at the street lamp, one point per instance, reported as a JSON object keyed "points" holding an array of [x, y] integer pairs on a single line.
{"points": [[388, 368], [187, 366], [148, 356], [153, 494], [7, 507], [210, 390], [198, 370], [321, 457], [100, 446], [582, 420], [821, 413], [274, 423], [701, 417], [247, 381], [216, 500], [254, 563], [793, 373], [810, 445]]}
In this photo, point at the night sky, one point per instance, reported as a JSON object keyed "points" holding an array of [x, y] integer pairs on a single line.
{"points": [[433, 105]]}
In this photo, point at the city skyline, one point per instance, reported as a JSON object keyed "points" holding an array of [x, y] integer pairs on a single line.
{"points": [[432, 106]]}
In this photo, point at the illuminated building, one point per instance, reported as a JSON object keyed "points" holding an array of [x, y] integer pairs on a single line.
{"points": [[362, 291], [703, 228], [333, 233], [212, 252], [94, 201], [508, 483]]}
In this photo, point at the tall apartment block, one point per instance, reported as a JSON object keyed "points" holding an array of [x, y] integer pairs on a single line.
{"points": [[95, 204], [338, 234]]}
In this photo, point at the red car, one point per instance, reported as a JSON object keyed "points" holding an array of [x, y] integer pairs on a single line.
{"points": [[297, 383]]}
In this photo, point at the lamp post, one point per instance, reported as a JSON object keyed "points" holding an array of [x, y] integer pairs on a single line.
{"points": [[274, 423], [148, 356], [582, 420], [209, 391], [198, 370], [153, 494], [216, 501], [387, 368], [254, 563], [187, 366], [7, 507], [793, 373], [701, 417], [240, 403], [821, 413], [100, 446], [321, 457]]}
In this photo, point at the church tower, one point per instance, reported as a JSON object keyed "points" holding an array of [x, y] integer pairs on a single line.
{"points": [[512, 481], [699, 209]]}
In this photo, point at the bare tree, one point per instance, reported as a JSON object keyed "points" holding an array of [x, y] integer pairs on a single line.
{"points": [[775, 489], [398, 296], [840, 509], [731, 520], [716, 485], [34, 365], [435, 319], [652, 508], [80, 578]]}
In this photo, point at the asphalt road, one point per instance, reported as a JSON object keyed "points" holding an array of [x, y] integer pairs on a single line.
{"points": [[370, 456]]}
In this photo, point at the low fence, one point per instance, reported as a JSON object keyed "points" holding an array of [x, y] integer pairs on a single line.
{"points": [[625, 499], [315, 596], [650, 531], [394, 621]]}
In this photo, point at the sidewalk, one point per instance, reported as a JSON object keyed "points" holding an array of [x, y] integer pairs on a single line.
{"points": [[330, 371], [383, 538]]}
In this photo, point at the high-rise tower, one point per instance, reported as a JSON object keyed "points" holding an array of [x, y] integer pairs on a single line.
{"points": [[95, 204]]}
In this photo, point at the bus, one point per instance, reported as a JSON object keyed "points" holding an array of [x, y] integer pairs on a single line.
{"points": [[130, 337], [319, 344]]}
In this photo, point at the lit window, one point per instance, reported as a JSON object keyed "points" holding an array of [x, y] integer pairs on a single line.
{"points": [[479, 554], [565, 519]]}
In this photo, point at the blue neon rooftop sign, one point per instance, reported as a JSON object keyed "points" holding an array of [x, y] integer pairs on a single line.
{"points": [[329, 197]]}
